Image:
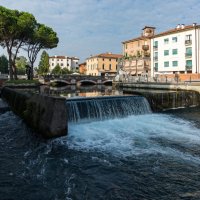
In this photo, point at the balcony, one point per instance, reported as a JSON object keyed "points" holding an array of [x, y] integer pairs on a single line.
{"points": [[188, 42], [155, 58], [188, 68], [145, 47], [188, 55], [155, 48]]}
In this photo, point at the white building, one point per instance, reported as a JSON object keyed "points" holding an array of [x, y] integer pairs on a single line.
{"points": [[71, 63], [176, 51]]}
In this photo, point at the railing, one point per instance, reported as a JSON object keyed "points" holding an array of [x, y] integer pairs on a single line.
{"points": [[188, 55], [155, 58], [188, 42], [155, 48], [188, 67]]}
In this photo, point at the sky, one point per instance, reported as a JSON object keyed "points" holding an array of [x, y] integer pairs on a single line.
{"points": [[89, 27]]}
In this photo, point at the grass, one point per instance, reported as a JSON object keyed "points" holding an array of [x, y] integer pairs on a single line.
{"points": [[21, 81]]}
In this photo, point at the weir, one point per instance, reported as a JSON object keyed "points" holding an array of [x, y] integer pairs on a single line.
{"points": [[101, 108]]}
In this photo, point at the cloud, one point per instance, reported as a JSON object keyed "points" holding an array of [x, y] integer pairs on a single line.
{"points": [[87, 27]]}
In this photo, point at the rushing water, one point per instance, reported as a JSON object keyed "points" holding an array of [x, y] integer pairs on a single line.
{"points": [[146, 156]]}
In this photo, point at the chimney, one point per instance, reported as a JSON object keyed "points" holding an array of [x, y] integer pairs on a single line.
{"points": [[178, 26], [194, 24], [182, 26]]}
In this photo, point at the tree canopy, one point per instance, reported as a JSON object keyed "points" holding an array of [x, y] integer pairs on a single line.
{"points": [[21, 30]]}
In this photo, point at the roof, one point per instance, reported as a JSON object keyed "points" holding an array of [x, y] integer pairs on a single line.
{"points": [[64, 57], [149, 27], [84, 63], [136, 39], [107, 55], [61, 57], [176, 30]]}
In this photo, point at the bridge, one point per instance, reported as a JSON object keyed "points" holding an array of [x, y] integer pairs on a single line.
{"points": [[78, 79]]}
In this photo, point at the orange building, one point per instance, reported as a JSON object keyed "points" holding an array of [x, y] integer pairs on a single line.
{"points": [[136, 53], [102, 64], [82, 68]]}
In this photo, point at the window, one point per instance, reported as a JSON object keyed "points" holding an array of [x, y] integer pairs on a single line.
{"points": [[188, 64], [189, 51], [61, 64], [52, 64], [174, 63], [57, 59], [155, 44], [138, 43], [103, 59], [188, 37], [174, 51], [166, 40], [174, 39], [110, 66], [156, 67], [103, 66], [126, 46], [166, 64], [110, 59], [52, 59], [116, 67], [166, 52]]}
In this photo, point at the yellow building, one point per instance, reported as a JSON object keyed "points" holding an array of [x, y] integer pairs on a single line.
{"points": [[102, 64], [136, 53]]}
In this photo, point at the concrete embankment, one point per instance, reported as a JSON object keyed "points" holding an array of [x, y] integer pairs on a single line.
{"points": [[163, 86], [46, 115]]}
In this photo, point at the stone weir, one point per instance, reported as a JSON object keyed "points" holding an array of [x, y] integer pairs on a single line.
{"points": [[44, 114], [165, 100]]}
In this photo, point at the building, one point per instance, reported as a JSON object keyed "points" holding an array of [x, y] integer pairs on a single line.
{"points": [[102, 64], [82, 68], [71, 63], [137, 53], [176, 51]]}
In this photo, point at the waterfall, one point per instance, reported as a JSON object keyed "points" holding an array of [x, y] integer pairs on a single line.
{"points": [[101, 108]]}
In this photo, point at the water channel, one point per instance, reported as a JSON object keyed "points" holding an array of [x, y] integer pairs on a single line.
{"points": [[141, 155]]}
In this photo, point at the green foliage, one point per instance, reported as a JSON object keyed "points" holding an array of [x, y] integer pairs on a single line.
{"points": [[20, 81], [43, 37], [65, 71], [21, 63], [56, 70], [3, 64], [43, 67]]}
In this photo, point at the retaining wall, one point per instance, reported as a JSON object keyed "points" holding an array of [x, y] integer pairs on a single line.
{"points": [[46, 115]]}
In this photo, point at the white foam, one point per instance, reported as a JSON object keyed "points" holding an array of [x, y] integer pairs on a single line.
{"points": [[134, 135]]}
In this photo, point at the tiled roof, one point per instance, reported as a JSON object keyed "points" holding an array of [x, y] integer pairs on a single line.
{"points": [[176, 30], [107, 55]]}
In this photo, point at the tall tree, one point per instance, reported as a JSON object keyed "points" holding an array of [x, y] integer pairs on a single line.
{"points": [[21, 63], [15, 29], [3, 64], [43, 37], [56, 70], [43, 67]]}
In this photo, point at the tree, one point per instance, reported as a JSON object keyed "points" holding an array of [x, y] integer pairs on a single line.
{"points": [[43, 37], [3, 64], [65, 71], [15, 29], [43, 67], [56, 70], [21, 63]]}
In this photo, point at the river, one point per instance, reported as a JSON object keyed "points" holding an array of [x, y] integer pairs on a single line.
{"points": [[146, 156]]}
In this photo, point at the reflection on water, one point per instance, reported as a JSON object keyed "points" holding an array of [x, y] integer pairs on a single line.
{"points": [[80, 91]]}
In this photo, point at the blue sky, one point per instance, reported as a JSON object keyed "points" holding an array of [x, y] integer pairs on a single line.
{"points": [[86, 27]]}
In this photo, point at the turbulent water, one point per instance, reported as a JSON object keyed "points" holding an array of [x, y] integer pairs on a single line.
{"points": [[150, 156]]}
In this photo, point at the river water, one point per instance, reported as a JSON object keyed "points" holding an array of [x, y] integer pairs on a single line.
{"points": [[146, 156]]}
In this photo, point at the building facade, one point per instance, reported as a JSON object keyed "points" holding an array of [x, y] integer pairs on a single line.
{"points": [[82, 68], [102, 64], [71, 63], [136, 53], [176, 51]]}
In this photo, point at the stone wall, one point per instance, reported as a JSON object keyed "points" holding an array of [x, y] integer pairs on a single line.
{"points": [[46, 115]]}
